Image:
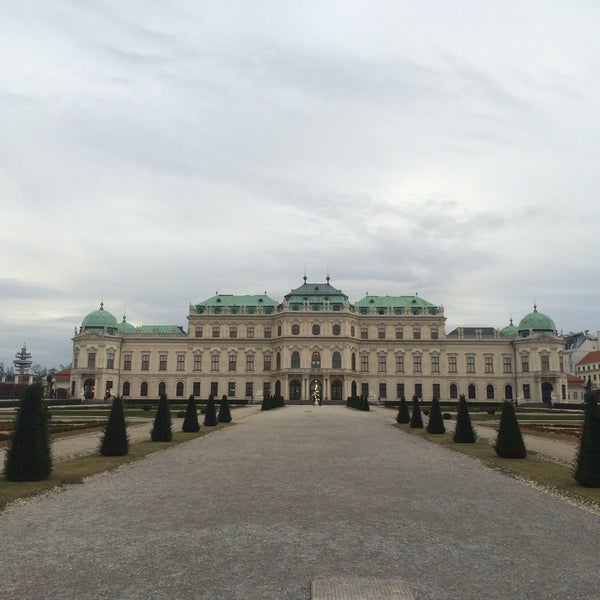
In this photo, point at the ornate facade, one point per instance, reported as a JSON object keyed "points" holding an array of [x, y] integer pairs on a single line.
{"points": [[383, 347]]}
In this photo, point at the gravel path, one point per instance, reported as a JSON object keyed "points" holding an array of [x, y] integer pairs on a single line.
{"points": [[259, 510]]}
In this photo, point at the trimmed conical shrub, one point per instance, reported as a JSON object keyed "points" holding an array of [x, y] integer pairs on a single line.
{"points": [[416, 420], [265, 403], [587, 469], [436, 421], [28, 457], [161, 432], [509, 443], [403, 415], [114, 441], [464, 432], [210, 416], [224, 412], [190, 421]]}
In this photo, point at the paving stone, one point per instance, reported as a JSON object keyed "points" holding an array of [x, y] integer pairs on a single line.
{"points": [[359, 588]]}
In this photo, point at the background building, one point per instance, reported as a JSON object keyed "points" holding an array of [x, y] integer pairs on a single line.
{"points": [[383, 347]]}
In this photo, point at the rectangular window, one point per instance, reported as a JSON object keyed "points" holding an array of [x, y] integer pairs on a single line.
{"points": [[214, 362], [470, 364], [417, 367], [231, 389], [162, 362], [399, 333], [399, 363], [452, 368], [364, 389], [419, 390], [525, 364], [434, 333], [507, 364], [489, 364], [364, 363], [383, 390], [381, 333], [127, 362], [435, 364], [526, 391], [267, 332], [249, 362], [416, 333], [145, 362], [198, 332], [266, 388], [91, 360], [197, 362], [267, 362], [382, 364], [216, 332], [545, 363], [249, 389], [214, 388], [196, 388], [436, 390], [364, 333], [110, 360], [399, 390], [232, 362], [250, 331], [181, 362], [233, 332]]}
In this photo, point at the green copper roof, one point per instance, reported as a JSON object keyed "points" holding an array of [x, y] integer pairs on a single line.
{"points": [[536, 322], [99, 319], [160, 329], [510, 329], [125, 327], [399, 304], [316, 295], [235, 303]]}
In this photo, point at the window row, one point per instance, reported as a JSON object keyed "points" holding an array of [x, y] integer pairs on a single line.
{"points": [[161, 389]]}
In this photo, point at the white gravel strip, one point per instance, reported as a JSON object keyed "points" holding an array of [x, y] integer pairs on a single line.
{"points": [[259, 510]]}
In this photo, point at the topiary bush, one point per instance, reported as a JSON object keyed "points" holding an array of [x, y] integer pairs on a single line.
{"points": [[587, 469], [416, 420], [114, 440], [224, 415], [28, 457], [464, 432], [436, 422], [509, 443], [210, 416], [403, 415], [161, 431], [190, 419]]}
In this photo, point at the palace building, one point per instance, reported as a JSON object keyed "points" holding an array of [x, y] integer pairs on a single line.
{"points": [[383, 347]]}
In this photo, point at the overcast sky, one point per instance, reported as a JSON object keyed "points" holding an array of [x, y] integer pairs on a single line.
{"points": [[153, 153]]}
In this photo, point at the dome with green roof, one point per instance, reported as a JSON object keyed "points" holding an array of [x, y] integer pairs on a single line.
{"points": [[125, 327], [100, 320], [510, 329], [535, 323]]}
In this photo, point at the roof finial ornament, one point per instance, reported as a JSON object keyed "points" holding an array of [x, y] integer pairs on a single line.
{"points": [[327, 278]]}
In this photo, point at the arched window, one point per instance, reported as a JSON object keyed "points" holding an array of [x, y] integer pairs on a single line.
{"points": [[162, 388], [508, 392], [278, 361], [89, 388], [336, 330], [315, 362], [126, 388], [316, 329], [489, 392], [295, 360], [352, 330], [353, 361], [453, 391], [144, 389], [278, 388], [336, 361], [295, 329], [471, 392], [179, 388]]}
